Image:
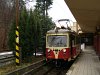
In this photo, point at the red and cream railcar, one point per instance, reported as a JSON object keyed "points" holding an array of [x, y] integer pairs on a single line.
{"points": [[62, 44]]}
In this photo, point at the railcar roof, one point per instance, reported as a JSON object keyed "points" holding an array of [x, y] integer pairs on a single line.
{"points": [[59, 31]]}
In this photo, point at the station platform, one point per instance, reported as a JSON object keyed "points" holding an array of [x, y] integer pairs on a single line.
{"points": [[86, 64]]}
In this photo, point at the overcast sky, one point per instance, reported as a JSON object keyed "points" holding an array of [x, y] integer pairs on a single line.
{"points": [[59, 10]]}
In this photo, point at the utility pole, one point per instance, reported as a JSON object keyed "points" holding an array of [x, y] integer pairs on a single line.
{"points": [[17, 35], [44, 22]]}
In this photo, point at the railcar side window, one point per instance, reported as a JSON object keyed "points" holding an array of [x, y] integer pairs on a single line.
{"points": [[77, 40], [72, 39], [57, 41]]}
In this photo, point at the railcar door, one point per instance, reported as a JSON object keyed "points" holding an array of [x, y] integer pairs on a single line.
{"points": [[72, 43]]}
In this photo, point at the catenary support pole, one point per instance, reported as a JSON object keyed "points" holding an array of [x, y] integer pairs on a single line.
{"points": [[17, 35]]}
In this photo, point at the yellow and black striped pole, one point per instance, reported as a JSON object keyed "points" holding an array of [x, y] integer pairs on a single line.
{"points": [[17, 35], [17, 48]]}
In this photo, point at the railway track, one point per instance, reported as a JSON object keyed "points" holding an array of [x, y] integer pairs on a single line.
{"points": [[6, 59], [50, 70], [41, 68], [28, 69], [60, 70], [38, 68]]}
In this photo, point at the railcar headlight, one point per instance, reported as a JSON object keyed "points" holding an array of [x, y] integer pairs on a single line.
{"points": [[64, 50], [49, 50]]}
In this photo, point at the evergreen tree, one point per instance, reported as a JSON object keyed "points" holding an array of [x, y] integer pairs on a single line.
{"points": [[42, 6], [32, 31]]}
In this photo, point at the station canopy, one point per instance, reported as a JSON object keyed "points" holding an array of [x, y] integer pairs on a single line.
{"points": [[86, 13]]}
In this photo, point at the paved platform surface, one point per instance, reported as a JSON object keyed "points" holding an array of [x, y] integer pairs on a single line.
{"points": [[87, 63]]}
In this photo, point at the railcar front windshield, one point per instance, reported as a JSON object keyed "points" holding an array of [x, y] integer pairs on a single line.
{"points": [[57, 40]]}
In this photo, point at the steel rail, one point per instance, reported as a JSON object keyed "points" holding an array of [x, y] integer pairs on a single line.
{"points": [[27, 69]]}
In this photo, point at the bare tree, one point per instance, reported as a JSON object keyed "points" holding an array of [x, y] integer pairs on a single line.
{"points": [[7, 11]]}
